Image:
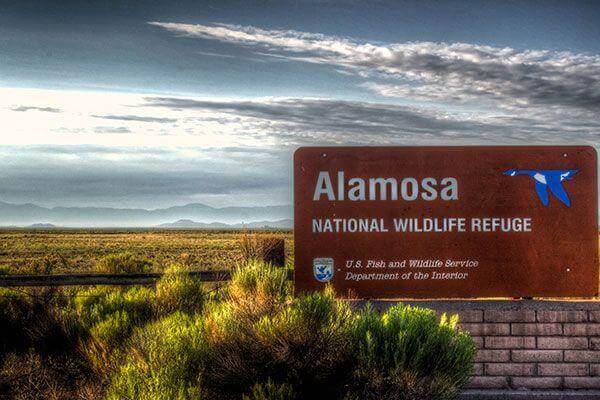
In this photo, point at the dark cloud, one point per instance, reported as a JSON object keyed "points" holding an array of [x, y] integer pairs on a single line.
{"points": [[326, 115], [32, 108], [138, 177], [136, 118], [326, 121], [110, 183], [495, 77]]}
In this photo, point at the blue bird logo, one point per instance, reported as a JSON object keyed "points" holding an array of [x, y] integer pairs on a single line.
{"points": [[547, 179]]}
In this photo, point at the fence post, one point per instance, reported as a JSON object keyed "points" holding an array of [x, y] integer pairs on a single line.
{"points": [[273, 250]]}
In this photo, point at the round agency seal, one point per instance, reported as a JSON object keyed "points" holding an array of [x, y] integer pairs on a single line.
{"points": [[323, 269]]}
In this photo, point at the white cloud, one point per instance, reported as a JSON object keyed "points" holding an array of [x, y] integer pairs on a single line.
{"points": [[109, 119], [457, 72]]}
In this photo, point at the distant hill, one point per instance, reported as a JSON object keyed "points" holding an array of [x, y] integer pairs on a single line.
{"points": [[24, 215], [189, 224], [41, 225]]}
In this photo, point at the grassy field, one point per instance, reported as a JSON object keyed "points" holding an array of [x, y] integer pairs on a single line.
{"points": [[62, 251]]}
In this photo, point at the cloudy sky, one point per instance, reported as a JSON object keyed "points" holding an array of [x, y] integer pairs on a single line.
{"points": [[153, 104]]}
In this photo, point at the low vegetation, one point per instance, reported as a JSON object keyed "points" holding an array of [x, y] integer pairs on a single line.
{"points": [[123, 263], [251, 340], [78, 250]]}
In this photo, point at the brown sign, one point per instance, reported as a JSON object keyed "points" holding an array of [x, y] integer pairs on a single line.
{"points": [[441, 222]]}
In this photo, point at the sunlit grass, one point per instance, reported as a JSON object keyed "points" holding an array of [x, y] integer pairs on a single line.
{"points": [[62, 251]]}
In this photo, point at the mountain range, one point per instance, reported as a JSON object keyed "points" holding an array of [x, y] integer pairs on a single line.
{"points": [[30, 214], [189, 224]]}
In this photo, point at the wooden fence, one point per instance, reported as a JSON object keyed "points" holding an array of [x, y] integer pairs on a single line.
{"points": [[105, 279], [100, 279]]}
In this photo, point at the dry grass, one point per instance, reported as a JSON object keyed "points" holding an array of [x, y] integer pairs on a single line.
{"points": [[62, 251], [258, 246]]}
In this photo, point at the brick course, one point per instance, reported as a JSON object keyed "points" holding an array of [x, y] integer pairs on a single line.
{"points": [[509, 316], [582, 383], [562, 316], [510, 342], [509, 369], [562, 343], [536, 329], [563, 369], [492, 356], [582, 329], [536, 383], [486, 329], [488, 382], [582, 356], [536, 355]]}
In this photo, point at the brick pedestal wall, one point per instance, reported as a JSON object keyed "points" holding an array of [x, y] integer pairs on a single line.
{"points": [[529, 344]]}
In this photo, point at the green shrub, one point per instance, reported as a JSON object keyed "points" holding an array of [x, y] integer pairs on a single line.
{"points": [[38, 357], [271, 391], [33, 320], [239, 360], [164, 362], [4, 270], [309, 341], [106, 318], [95, 305], [113, 328], [177, 290], [407, 354], [257, 288], [258, 247], [123, 263], [304, 345], [250, 247]]}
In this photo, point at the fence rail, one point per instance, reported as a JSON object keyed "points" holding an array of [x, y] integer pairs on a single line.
{"points": [[104, 279]]}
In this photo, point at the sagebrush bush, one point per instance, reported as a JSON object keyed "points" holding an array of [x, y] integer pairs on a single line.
{"points": [[249, 247], [38, 357], [303, 344], [123, 263], [309, 341], [164, 362], [177, 290], [258, 247], [92, 306], [34, 321], [13, 310], [106, 318], [407, 354], [257, 288], [112, 329]]}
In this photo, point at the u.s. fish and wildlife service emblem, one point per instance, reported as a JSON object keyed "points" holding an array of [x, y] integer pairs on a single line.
{"points": [[323, 269]]}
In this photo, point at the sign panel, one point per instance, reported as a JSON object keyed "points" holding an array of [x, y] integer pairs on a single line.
{"points": [[447, 222]]}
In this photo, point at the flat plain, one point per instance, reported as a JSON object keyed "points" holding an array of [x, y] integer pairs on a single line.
{"points": [[76, 250]]}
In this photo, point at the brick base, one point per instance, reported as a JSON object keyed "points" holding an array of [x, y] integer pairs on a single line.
{"points": [[535, 345], [530, 395]]}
